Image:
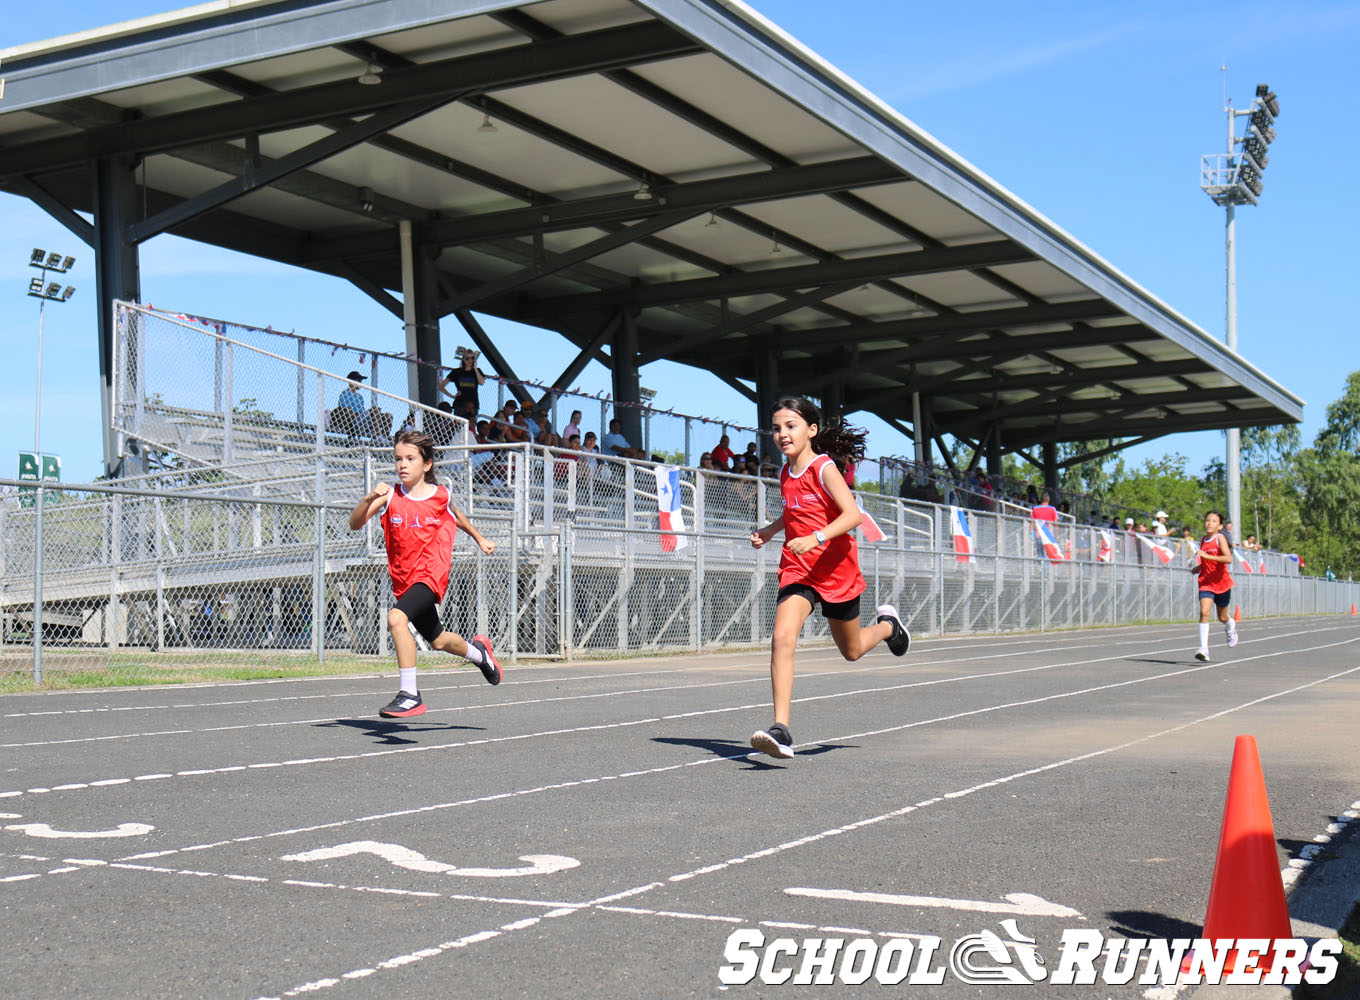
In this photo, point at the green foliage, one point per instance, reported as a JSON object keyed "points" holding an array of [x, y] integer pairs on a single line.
{"points": [[1164, 484]]}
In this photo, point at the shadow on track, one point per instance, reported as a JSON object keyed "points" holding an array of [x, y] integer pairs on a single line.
{"points": [[1141, 923], [387, 733], [741, 753]]}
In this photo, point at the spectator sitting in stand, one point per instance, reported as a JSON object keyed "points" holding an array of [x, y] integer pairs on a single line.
{"points": [[1159, 528], [483, 427], [1251, 544], [706, 462], [751, 454], [438, 426], [347, 417], [768, 471], [519, 429], [1031, 495], [722, 455], [615, 443], [573, 426]]}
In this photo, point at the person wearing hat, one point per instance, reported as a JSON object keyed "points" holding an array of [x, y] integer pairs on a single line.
{"points": [[467, 378], [1159, 528], [349, 407]]}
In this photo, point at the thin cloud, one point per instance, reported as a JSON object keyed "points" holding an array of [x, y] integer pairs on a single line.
{"points": [[982, 67]]}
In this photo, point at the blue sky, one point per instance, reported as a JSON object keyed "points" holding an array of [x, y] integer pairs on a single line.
{"points": [[1094, 114]]}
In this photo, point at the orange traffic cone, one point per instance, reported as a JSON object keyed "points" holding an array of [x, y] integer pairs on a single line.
{"points": [[1352, 609], [1246, 899], [1237, 612]]}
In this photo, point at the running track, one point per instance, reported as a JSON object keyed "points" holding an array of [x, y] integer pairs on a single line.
{"points": [[599, 829]]}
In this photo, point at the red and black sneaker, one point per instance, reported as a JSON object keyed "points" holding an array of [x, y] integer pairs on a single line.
{"points": [[491, 669], [403, 706]]}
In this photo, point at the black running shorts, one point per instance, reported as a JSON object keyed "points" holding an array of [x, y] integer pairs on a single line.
{"points": [[421, 606], [1220, 600], [836, 611]]}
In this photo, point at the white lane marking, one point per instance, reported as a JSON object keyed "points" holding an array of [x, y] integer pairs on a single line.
{"points": [[405, 857], [855, 692], [498, 796], [1296, 867], [567, 910], [806, 676], [1021, 904], [45, 831]]}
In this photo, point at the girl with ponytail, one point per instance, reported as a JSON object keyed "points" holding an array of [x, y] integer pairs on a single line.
{"points": [[819, 563]]}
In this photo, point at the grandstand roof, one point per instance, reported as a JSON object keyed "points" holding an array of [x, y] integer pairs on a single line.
{"points": [[682, 162]]}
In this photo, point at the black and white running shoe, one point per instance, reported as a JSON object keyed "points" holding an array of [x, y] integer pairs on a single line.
{"points": [[1202, 656], [403, 706], [900, 640], [775, 740], [491, 668]]}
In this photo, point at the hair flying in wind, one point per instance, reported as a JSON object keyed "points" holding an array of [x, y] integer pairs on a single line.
{"points": [[841, 441]]}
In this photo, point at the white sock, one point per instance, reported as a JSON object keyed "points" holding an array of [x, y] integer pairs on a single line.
{"points": [[1203, 635], [474, 655], [408, 679]]}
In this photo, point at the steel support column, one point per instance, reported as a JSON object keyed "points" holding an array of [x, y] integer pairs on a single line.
{"points": [[626, 382], [117, 274], [767, 391], [426, 288], [1049, 454]]}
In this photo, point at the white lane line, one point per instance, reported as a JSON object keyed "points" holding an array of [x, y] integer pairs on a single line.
{"points": [[319, 984], [815, 654], [1296, 867], [916, 663], [579, 782], [45, 831], [1020, 904], [872, 691]]}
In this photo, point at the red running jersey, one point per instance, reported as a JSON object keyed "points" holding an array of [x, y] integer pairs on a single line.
{"points": [[831, 569], [1213, 576], [419, 538]]}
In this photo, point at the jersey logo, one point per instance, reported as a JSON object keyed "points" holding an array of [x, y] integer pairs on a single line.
{"points": [[396, 520]]}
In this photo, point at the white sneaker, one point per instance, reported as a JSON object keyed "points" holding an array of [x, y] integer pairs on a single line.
{"points": [[1232, 638], [1202, 656]]}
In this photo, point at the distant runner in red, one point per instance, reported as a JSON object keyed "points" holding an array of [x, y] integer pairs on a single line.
{"points": [[1211, 562], [819, 563], [419, 524]]}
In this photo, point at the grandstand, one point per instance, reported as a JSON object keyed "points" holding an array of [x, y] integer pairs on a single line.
{"points": [[236, 543]]}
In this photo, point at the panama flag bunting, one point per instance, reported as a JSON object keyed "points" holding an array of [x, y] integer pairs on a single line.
{"points": [[1242, 558], [1043, 531], [963, 537], [1163, 554], [1106, 551], [668, 503], [868, 526]]}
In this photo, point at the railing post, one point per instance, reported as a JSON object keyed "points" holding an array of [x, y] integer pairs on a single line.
{"points": [[514, 590], [160, 574], [228, 379], [688, 429]]}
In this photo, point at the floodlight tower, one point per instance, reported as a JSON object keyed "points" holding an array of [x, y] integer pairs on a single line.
{"points": [[1231, 179]]}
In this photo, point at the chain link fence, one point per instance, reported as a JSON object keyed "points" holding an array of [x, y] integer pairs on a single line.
{"points": [[235, 573]]}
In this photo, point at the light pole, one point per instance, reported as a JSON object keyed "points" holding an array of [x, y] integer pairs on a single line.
{"points": [[43, 291], [1231, 179]]}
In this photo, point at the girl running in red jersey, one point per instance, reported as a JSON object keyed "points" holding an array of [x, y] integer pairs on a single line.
{"points": [[1215, 582], [819, 563], [419, 524]]}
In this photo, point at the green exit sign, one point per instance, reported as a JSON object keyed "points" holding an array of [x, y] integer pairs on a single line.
{"points": [[34, 467]]}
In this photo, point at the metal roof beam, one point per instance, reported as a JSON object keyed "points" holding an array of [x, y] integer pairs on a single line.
{"points": [[993, 351], [738, 323], [1092, 455], [54, 207], [517, 65], [254, 177], [1170, 424], [696, 197], [1059, 403], [789, 278], [559, 261]]}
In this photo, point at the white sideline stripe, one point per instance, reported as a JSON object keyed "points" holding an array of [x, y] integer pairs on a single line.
{"points": [[891, 665], [415, 956], [949, 641], [1021, 904], [498, 796], [227, 769], [197, 772]]}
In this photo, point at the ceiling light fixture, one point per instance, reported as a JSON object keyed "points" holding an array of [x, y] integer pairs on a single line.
{"points": [[643, 193], [371, 76], [487, 126], [776, 249], [712, 222]]}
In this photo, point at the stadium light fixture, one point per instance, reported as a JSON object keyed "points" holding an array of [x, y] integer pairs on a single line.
{"points": [[46, 291], [1231, 179]]}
